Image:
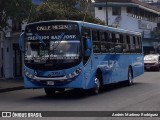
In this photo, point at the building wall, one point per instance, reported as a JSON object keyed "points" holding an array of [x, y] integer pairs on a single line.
{"points": [[16, 56], [128, 22], [7, 58], [101, 14], [10, 57], [1, 60]]}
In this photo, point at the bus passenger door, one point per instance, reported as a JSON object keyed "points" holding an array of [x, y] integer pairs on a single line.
{"points": [[87, 61], [88, 73]]}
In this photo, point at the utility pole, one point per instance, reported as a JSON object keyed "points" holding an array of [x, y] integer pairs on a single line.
{"points": [[106, 14]]}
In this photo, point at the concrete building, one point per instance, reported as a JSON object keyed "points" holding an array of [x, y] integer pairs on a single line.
{"points": [[154, 3], [11, 63], [131, 15], [11, 57]]}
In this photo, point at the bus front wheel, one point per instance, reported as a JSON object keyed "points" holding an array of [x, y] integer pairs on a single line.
{"points": [[130, 77], [97, 87], [50, 91]]}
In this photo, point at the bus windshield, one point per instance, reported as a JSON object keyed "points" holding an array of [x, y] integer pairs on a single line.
{"points": [[65, 51], [52, 49]]}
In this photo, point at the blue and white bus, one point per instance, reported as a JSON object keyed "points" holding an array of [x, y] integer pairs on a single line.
{"points": [[62, 54]]}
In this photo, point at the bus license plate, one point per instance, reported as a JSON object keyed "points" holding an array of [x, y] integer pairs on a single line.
{"points": [[50, 82]]}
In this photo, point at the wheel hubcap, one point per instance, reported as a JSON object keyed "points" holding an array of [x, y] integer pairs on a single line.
{"points": [[97, 85]]}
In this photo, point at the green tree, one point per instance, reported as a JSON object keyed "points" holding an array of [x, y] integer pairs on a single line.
{"points": [[17, 10], [63, 9]]}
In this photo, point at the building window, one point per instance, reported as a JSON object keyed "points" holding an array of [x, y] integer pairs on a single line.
{"points": [[99, 8], [116, 10]]}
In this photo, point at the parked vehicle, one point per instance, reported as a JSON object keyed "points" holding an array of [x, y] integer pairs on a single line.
{"points": [[152, 62]]}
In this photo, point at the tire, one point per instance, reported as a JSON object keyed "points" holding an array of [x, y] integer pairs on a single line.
{"points": [[97, 85], [158, 68], [130, 77], [50, 91], [145, 69], [60, 89]]}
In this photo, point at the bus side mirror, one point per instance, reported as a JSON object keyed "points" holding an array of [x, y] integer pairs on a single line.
{"points": [[21, 42], [88, 47]]}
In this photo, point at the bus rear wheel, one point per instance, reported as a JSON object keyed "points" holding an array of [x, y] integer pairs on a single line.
{"points": [[50, 91]]}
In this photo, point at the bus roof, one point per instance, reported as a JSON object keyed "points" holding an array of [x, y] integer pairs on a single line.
{"points": [[92, 25]]}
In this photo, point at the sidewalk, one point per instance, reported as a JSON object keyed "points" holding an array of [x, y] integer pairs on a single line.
{"points": [[7, 85]]}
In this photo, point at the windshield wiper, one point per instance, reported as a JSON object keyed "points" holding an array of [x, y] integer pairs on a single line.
{"points": [[39, 38], [59, 40]]}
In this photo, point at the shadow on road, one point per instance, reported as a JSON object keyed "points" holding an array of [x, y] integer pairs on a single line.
{"points": [[74, 94]]}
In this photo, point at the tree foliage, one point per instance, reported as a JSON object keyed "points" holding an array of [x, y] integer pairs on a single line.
{"points": [[63, 10], [17, 10]]}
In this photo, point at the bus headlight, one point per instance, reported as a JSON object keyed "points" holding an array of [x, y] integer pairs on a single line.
{"points": [[77, 71], [29, 75], [26, 73], [73, 74], [68, 76]]}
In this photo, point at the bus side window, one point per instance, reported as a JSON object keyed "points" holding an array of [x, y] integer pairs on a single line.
{"points": [[85, 34], [136, 45], [103, 39], [96, 42], [110, 42], [127, 44], [132, 44], [140, 44], [86, 31], [121, 42], [118, 44]]}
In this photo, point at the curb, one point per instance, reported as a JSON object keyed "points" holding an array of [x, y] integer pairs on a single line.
{"points": [[11, 89]]}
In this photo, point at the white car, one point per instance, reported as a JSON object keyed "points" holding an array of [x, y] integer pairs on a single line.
{"points": [[152, 62]]}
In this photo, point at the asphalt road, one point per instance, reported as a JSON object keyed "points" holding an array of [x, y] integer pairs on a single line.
{"points": [[143, 95]]}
